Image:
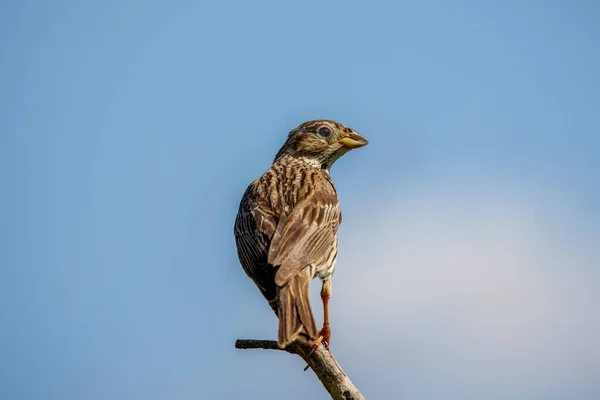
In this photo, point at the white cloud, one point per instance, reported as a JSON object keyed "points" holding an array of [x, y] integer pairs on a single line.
{"points": [[470, 293]]}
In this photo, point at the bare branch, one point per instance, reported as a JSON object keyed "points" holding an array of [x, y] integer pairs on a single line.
{"points": [[321, 361]]}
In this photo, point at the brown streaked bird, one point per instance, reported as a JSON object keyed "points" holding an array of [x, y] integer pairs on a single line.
{"points": [[286, 226]]}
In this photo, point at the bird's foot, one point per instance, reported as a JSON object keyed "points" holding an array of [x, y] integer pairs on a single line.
{"points": [[325, 336], [315, 345]]}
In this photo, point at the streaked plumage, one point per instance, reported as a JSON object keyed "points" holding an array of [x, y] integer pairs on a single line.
{"points": [[286, 227]]}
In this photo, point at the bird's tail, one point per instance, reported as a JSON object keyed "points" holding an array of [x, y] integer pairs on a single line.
{"points": [[295, 314]]}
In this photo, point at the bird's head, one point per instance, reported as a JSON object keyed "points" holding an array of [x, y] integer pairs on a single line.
{"points": [[320, 142]]}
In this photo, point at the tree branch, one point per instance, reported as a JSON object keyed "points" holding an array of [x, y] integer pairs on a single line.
{"points": [[321, 361]]}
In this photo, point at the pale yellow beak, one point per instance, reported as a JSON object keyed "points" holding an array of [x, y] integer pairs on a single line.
{"points": [[352, 140]]}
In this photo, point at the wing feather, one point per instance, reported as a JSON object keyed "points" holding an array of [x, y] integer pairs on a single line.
{"points": [[255, 225], [308, 234]]}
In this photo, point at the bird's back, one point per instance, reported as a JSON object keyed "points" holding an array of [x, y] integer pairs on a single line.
{"points": [[267, 203]]}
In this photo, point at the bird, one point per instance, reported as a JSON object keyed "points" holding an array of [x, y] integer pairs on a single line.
{"points": [[286, 227]]}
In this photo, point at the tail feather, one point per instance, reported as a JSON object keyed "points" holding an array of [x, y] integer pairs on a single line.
{"points": [[295, 314]]}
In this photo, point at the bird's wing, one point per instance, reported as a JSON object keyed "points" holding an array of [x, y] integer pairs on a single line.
{"points": [[255, 225], [308, 234]]}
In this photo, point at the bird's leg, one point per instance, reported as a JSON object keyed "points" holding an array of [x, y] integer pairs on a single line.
{"points": [[325, 333], [325, 295]]}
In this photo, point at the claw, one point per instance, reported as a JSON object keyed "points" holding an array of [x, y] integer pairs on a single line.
{"points": [[315, 346]]}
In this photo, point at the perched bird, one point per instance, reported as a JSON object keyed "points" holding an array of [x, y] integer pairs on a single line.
{"points": [[286, 226]]}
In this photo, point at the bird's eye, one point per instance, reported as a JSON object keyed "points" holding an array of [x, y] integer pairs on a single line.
{"points": [[324, 132]]}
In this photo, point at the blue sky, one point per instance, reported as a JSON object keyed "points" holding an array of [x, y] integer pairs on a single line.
{"points": [[469, 249]]}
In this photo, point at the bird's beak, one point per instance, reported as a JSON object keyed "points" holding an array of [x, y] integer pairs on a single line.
{"points": [[352, 140]]}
